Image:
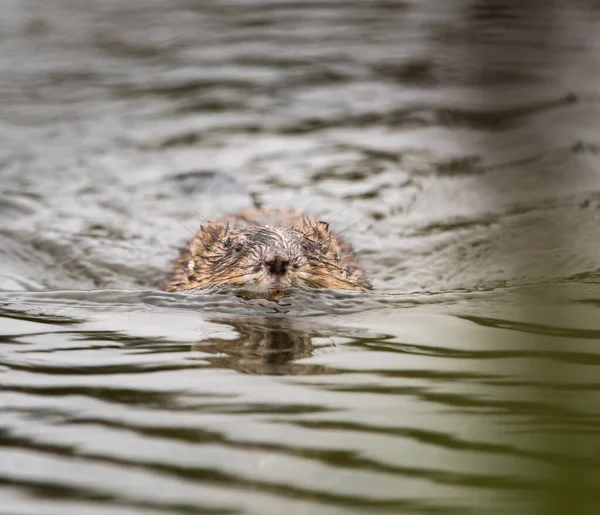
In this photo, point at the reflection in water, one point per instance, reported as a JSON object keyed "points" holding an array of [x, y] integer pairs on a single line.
{"points": [[264, 345]]}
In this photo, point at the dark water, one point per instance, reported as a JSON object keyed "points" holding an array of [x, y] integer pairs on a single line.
{"points": [[457, 142]]}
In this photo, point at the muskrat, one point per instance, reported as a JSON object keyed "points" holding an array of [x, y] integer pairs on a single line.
{"points": [[271, 249]]}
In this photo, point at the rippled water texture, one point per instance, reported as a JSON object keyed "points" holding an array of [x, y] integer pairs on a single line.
{"points": [[455, 143]]}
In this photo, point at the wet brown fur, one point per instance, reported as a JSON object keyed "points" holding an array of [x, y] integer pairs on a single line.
{"points": [[233, 250]]}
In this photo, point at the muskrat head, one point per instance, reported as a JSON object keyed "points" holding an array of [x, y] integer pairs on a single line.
{"points": [[272, 257]]}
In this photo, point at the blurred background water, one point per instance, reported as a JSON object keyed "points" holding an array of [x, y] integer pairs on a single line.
{"points": [[456, 141]]}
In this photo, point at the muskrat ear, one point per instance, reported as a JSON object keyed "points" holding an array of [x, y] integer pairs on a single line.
{"points": [[214, 231], [320, 229]]}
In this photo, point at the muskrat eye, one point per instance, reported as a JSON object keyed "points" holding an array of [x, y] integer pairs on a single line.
{"points": [[304, 246], [239, 247], [226, 242]]}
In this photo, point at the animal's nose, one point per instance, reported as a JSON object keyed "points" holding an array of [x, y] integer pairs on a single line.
{"points": [[277, 263]]}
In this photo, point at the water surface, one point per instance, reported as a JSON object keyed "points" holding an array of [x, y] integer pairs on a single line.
{"points": [[457, 147]]}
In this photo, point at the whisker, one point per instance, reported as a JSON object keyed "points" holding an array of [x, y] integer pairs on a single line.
{"points": [[350, 226], [202, 219], [339, 233], [336, 214], [229, 279], [187, 228]]}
